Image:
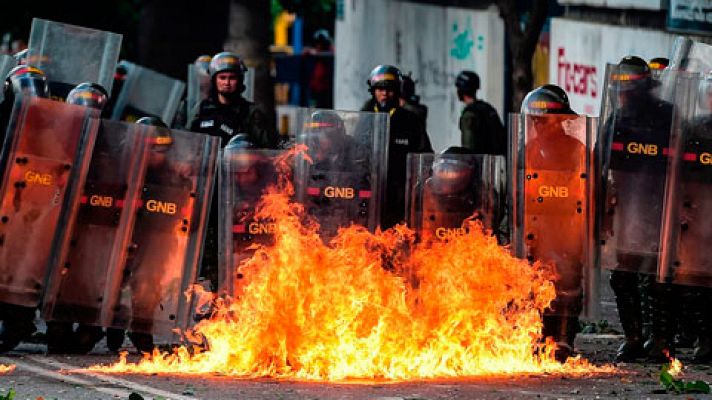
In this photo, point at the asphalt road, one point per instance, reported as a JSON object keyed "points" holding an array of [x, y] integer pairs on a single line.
{"points": [[57, 377], [39, 375]]}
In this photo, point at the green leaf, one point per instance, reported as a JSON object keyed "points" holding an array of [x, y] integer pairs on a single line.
{"points": [[668, 382], [665, 378], [10, 395], [678, 386], [696, 387]]}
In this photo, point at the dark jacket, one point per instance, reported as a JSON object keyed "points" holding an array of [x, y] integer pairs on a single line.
{"points": [[226, 121], [482, 130], [407, 135]]}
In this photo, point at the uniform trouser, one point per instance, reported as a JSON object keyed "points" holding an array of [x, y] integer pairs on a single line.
{"points": [[625, 286], [664, 298], [145, 278], [16, 314], [632, 290], [561, 319], [18, 322], [695, 315]]}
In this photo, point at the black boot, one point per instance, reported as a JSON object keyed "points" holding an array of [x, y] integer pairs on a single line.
{"points": [[626, 289], [114, 339], [695, 301], [60, 337], [17, 326], [663, 303], [563, 330], [86, 338], [142, 341]]}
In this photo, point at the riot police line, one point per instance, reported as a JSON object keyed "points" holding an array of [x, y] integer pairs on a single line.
{"points": [[104, 221]]}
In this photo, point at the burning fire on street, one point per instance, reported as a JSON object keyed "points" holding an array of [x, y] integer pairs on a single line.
{"points": [[6, 368], [372, 306]]}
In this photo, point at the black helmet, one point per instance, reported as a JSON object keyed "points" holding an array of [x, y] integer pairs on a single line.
{"points": [[242, 158], [547, 99], [658, 63], [322, 37], [384, 76], [408, 88], [452, 173], [324, 133], [21, 56], [162, 138], [226, 62], [632, 73], [120, 72], [240, 141], [202, 63], [88, 94], [27, 79], [152, 121], [558, 90], [468, 82], [325, 121]]}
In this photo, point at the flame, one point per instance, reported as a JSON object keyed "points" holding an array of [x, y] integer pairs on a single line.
{"points": [[675, 367], [372, 306], [7, 368]]}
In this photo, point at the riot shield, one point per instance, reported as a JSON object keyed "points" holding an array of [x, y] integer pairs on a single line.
{"points": [[341, 180], [147, 294], [44, 160], [6, 64], [684, 258], [249, 82], [552, 204], [245, 174], [633, 143], [691, 56], [288, 119], [70, 55], [198, 90], [444, 190], [100, 227], [147, 93]]}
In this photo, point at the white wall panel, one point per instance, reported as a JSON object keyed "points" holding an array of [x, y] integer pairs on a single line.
{"points": [[581, 50]]}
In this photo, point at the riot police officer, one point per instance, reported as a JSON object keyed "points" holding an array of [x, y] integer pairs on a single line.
{"points": [[458, 187], [411, 101], [246, 173], [338, 160], [407, 135], [481, 129], [658, 63], [554, 226], [61, 335], [634, 199], [692, 266], [145, 266], [225, 113], [21, 81]]}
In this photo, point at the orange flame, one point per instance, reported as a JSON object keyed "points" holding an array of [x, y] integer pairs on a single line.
{"points": [[6, 368], [372, 306], [675, 367]]}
